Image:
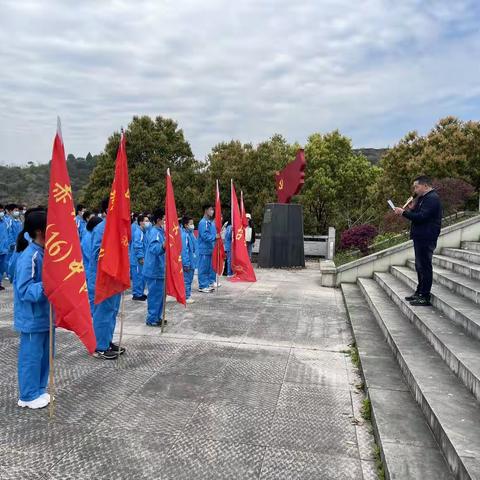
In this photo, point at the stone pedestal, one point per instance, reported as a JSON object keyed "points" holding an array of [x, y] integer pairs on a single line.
{"points": [[282, 236]]}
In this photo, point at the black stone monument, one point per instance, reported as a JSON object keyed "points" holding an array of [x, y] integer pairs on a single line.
{"points": [[281, 244]]}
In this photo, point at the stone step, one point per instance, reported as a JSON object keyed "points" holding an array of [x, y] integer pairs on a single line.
{"points": [[409, 449], [459, 351], [471, 270], [458, 309], [458, 283], [472, 246], [451, 410], [466, 255]]}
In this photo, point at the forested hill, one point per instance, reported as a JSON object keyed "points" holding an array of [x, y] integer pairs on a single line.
{"points": [[29, 184], [373, 154]]}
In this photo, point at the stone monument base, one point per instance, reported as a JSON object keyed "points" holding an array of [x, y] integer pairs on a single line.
{"points": [[281, 244]]}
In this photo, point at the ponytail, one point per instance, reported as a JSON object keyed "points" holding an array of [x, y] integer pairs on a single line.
{"points": [[22, 243]]}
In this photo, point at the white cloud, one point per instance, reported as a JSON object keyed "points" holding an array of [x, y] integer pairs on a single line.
{"points": [[223, 70]]}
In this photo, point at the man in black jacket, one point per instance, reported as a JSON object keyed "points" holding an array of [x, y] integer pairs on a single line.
{"points": [[426, 218]]}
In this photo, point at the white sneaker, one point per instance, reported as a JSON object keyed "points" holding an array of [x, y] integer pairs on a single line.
{"points": [[214, 285], [46, 395], [190, 300], [40, 402], [206, 290]]}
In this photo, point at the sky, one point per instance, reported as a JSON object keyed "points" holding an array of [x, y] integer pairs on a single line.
{"points": [[223, 69]]}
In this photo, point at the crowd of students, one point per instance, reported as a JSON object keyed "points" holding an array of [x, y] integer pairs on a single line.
{"points": [[22, 240]]}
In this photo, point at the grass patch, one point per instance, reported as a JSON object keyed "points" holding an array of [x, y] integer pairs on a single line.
{"points": [[366, 410], [378, 462]]}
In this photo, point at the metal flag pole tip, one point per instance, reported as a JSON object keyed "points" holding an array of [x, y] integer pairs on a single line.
{"points": [[59, 128]]}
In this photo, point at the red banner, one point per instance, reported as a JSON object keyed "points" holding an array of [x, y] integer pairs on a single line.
{"points": [[218, 254], [63, 272], [174, 282], [241, 265], [113, 273]]}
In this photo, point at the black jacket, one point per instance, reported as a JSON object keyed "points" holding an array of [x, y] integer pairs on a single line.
{"points": [[426, 217]]}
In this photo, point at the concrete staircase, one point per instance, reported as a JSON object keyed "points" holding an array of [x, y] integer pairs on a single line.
{"points": [[421, 365]]}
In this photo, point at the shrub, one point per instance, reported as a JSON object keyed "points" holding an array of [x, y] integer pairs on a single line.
{"points": [[359, 237], [454, 193], [393, 223]]}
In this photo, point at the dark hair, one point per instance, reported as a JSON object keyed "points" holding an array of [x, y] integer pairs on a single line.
{"points": [[206, 206], [34, 220], [423, 180], [158, 214], [1, 206], [92, 223], [86, 214], [186, 219], [104, 205], [141, 217], [95, 211], [79, 207], [10, 206]]}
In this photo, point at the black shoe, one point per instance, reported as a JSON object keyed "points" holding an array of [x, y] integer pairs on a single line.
{"points": [[421, 302], [144, 297], [413, 297], [138, 299], [1, 288], [115, 348], [106, 354], [158, 324]]}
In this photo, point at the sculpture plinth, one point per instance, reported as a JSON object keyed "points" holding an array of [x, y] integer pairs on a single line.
{"points": [[281, 244]]}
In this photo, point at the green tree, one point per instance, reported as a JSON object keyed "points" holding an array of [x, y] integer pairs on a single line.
{"points": [[153, 145], [339, 184], [450, 150]]}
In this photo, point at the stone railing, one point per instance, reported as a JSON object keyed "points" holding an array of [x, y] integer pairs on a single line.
{"points": [[451, 236]]}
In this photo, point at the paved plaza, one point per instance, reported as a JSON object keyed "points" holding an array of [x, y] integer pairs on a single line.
{"points": [[246, 383]]}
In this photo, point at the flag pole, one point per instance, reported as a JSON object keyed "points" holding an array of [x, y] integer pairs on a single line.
{"points": [[164, 302], [122, 313], [51, 386]]}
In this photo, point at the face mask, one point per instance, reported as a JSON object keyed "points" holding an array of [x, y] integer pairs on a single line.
{"points": [[2, 214], [16, 213], [24, 212], [146, 225], [191, 227]]}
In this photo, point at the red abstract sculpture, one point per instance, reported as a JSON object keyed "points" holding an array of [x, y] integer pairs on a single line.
{"points": [[290, 180]]}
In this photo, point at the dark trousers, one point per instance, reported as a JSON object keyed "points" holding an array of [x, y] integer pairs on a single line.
{"points": [[423, 264]]}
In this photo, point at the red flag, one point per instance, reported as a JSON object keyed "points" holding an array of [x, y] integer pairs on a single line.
{"points": [[174, 282], [113, 273], [243, 213], [241, 265], [218, 254], [63, 272]]}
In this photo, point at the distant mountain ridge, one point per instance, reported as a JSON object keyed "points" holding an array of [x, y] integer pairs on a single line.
{"points": [[373, 154], [29, 184]]}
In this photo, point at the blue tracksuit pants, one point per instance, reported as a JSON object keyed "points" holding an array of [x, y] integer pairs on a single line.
{"points": [[138, 282], [188, 277], [155, 299], [104, 321], [33, 365], [229, 264], [3, 266], [206, 274]]}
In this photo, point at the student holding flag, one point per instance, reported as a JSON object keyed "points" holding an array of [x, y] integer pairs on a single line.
{"points": [[110, 265], [207, 235], [154, 269], [137, 256], [31, 315]]}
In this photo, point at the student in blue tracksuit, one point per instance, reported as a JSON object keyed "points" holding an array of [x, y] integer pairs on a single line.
{"points": [[137, 256], [4, 245], [15, 228], [86, 244], [31, 314], [207, 234], [189, 255], [104, 313], [79, 220], [227, 243], [154, 269]]}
